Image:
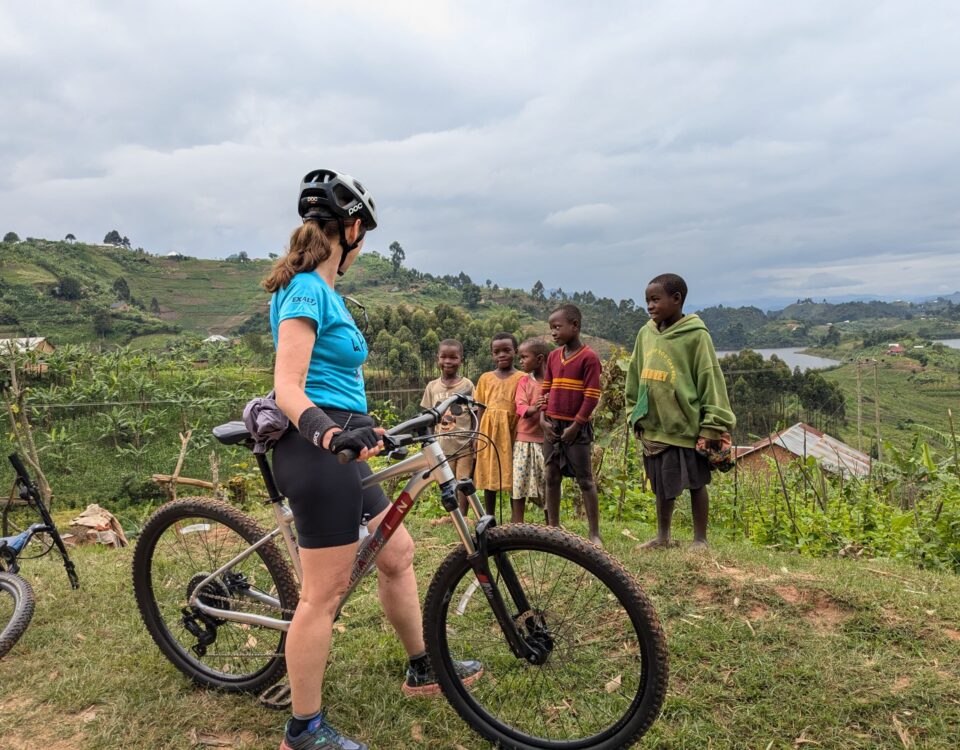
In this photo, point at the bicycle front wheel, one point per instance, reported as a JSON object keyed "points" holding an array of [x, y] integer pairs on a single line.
{"points": [[180, 546], [604, 677], [16, 609]]}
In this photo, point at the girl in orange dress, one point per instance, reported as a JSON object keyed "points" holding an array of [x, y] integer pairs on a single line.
{"points": [[498, 422]]}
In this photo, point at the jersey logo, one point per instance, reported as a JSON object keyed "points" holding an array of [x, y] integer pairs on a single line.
{"points": [[660, 375], [304, 301]]}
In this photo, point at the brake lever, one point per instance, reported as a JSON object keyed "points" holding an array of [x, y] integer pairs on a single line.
{"points": [[398, 454]]}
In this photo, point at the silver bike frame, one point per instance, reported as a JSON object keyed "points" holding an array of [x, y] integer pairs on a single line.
{"points": [[424, 468]]}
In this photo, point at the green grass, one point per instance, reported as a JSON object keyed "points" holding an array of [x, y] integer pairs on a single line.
{"points": [[768, 650], [909, 395]]}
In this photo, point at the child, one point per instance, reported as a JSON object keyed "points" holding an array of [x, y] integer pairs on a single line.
{"points": [[498, 421], [678, 405], [571, 386], [528, 474], [456, 448]]}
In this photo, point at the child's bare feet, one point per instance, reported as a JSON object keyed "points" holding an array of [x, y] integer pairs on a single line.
{"points": [[655, 543]]}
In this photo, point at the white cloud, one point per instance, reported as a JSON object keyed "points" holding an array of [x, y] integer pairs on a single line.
{"points": [[586, 214], [719, 141]]}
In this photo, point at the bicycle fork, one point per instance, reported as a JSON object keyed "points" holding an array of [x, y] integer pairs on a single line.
{"points": [[534, 646]]}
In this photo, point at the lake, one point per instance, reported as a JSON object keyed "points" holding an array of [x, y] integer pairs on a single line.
{"points": [[952, 343], [796, 358]]}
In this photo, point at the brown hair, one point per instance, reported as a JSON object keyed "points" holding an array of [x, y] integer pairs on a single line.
{"points": [[310, 245]]}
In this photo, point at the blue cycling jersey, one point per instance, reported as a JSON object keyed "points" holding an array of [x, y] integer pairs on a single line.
{"points": [[335, 375]]}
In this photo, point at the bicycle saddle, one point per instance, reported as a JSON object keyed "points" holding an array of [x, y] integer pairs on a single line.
{"points": [[232, 433]]}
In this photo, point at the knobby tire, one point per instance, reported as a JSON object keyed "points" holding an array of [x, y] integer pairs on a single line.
{"points": [[606, 677], [182, 542], [17, 603]]}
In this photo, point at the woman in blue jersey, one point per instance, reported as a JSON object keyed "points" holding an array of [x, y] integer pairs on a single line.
{"points": [[318, 379]]}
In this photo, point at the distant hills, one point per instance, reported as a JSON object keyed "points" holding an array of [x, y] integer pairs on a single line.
{"points": [[75, 292]]}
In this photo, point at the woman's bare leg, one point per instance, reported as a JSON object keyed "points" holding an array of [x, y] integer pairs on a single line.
{"points": [[326, 574], [397, 588]]}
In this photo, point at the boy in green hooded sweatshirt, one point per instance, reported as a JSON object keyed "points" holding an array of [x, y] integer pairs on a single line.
{"points": [[677, 401]]}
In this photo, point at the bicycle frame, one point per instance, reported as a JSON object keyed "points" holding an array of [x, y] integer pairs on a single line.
{"points": [[428, 466]]}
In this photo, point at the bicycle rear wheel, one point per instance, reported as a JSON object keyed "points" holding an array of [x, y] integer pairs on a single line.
{"points": [[605, 677], [181, 545], [16, 609]]}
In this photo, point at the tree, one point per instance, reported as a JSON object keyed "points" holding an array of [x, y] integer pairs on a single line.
{"points": [[154, 306], [102, 322], [832, 336], [397, 256], [125, 242], [113, 238], [11, 237], [537, 291], [242, 257], [70, 238], [69, 288], [272, 256], [471, 295], [121, 289]]}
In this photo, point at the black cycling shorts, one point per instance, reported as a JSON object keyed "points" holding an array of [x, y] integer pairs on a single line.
{"points": [[325, 496]]}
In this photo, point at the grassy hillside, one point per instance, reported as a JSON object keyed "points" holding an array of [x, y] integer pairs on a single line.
{"points": [[767, 650], [914, 392], [193, 296]]}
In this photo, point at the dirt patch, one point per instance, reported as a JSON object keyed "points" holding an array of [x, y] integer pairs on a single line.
{"points": [[13, 704], [953, 635], [760, 575], [901, 683], [822, 612], [757, 612], [703, 595], [790, 594], [827, 616]]}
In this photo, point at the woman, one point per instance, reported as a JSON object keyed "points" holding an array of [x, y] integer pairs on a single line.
{"points": [[318, 379]]}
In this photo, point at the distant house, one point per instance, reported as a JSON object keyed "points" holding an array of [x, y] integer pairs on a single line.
{"points": [[174, 255], [801, 441], [32, 344], [895, 349], [216, 339], [119, 307], [38, 344]]}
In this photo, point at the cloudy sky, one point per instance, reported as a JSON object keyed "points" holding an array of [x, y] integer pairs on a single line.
{"points": [[764, 152]]}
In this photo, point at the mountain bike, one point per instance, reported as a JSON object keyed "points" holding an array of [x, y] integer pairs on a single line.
{"points": [[17, 600], [572, 649]]}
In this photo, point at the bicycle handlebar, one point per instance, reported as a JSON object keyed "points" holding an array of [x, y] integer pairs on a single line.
{"points": [[19, 467], [406, 432]]}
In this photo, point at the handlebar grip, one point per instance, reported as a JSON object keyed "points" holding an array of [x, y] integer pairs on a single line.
{"points": [[347, 455], [19, 467]]}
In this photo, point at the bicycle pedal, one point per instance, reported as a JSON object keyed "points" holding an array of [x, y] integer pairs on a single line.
{"points": [[276, 696]]}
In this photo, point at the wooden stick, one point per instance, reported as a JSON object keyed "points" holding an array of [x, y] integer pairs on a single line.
{"points": [[184, 439], [168, 479]]}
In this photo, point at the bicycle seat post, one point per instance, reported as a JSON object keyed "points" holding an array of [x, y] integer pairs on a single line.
{"points": [[268, 481]]}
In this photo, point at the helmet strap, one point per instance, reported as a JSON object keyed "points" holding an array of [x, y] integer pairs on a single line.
{"points": [[345, 247]]}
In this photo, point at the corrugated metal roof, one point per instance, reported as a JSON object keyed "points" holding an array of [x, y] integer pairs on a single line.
{"points": [[832, 454], [22, 345]]}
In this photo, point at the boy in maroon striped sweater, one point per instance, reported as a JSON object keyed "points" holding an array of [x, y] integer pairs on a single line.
{"points": [[571, 386]]}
